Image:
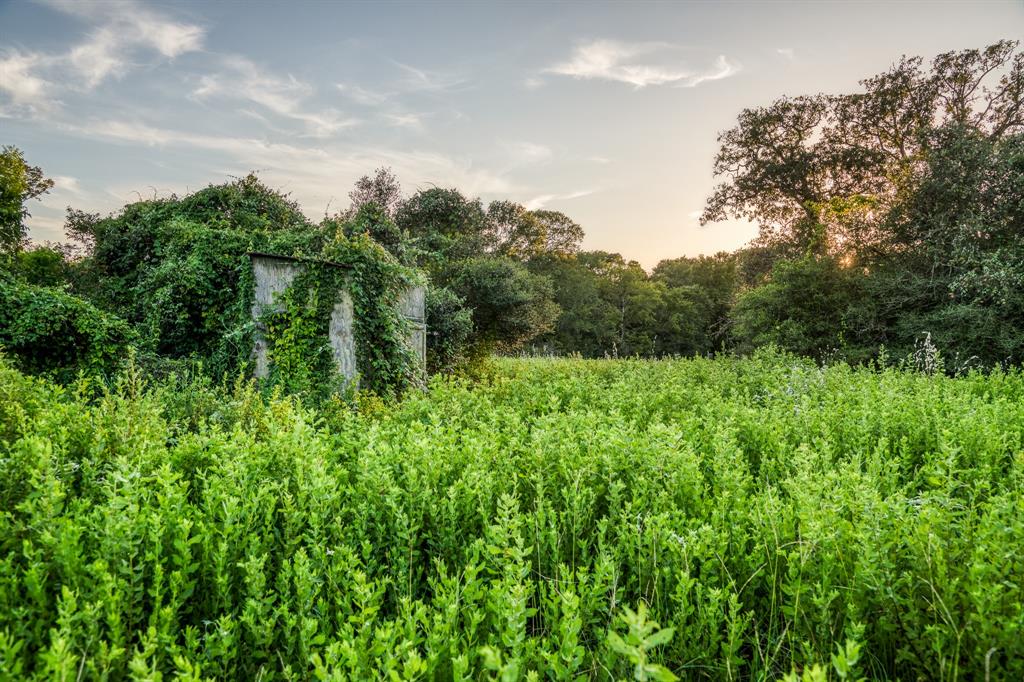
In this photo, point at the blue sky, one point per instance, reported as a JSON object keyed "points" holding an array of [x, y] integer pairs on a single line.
{"points": [[607, 112]]}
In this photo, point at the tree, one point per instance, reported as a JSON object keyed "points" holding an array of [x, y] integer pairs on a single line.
{"points": [[174, 267], [632, 304], [514, 231], [803, 308], [587, 323], [783, 165], [443, 226], [19, 182], [562, 235], [45, 265], [383, 189], [958, 260], [449, 329], [510, 304], [908, 191], [819, 172], [701, 292], [372, 220]]}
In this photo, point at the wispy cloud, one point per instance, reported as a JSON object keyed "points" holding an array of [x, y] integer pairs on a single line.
{"points": [[405, 120], [639, 65], [526, 153], [22, 85], [410, 80], [364, 96], [122, 33], [317, 173], [543, 200], [139, 25], [67, 184], [425, 80], [240, 78], [787, 52]]}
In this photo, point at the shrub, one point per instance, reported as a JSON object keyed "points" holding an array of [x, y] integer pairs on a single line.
{"points": [[449, 327], [51, 332]]}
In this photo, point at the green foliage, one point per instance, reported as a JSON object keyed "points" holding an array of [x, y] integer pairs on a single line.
{"points": [[510, 304], [375, 281], [444, 226], [449, 326], [913, 183], [179, 271], [19, 182], [513, 230], [299, 351], [611, 306], [51, 332], [803, 307], [45, 266], [772, 517], [641, 637], [373, 221]]}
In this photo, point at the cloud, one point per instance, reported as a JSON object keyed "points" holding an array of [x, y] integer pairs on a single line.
{"points": [[722, 68], [787, 52], [542, 200], [316, 173], [240, 78], [424, 80], [122, 33], [25, 89], [68, 184], [411, 80], [533, 83], [638, 64], [364, 96], [526, 153], [406, 120], [126, 23]]}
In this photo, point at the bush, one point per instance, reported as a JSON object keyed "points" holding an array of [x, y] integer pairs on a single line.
{"points": [[510, 304], [449, 327], [803, 308], [49, 331]]}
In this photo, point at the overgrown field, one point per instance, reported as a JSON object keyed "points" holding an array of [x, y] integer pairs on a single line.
{"points": [[725, 519]]}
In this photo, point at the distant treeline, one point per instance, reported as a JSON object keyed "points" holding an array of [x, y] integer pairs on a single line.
{"points": [[890, 217]]}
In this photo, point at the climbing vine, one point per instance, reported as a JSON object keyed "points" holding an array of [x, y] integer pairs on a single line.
{"points": [[297, 332]]}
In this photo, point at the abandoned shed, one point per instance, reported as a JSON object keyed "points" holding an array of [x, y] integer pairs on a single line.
{"points": [[273, 274]]}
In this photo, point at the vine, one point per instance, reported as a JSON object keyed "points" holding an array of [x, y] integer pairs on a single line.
{"points": [[298, 334]]}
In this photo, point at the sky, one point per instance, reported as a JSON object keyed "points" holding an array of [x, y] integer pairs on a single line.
{"points": [[608, 112]]}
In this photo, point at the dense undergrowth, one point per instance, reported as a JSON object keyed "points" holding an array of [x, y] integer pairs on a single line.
{"points": [[725, 519]]}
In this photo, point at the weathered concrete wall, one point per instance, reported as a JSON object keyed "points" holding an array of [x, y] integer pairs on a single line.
{"points": [[272, 278], [413, 306], [274, 274]]}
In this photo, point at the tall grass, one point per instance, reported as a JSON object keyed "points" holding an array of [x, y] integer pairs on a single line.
{"points": [[706, 519]]}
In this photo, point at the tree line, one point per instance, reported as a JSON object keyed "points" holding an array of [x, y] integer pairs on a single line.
{"points": [[887, 216]]}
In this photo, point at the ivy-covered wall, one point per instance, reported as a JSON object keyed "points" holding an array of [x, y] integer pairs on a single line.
{"points": [[305, 323]]}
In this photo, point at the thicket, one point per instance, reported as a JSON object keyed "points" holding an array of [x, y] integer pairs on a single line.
{"points": [[48, 331], [724, 519], [178, 270]]}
